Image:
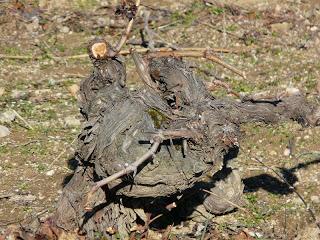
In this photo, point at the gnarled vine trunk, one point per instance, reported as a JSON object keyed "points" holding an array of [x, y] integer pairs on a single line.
{"points": [[202, 132]]}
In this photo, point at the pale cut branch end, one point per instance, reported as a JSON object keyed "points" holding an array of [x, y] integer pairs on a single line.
{"points": [[99, 50]]}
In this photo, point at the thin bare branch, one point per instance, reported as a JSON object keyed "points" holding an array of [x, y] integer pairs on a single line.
{"points": [[212, 85], [131, 168], [204, 53], [125, 36], [22, 119], [124, 53]]}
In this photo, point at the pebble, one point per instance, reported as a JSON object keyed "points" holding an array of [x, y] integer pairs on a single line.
{"points": [[102, 22], [17, 94], [23, 199], [7, 116], [273, 153], [315, 199], [287, 152], [2, 91], [281, 27], [4, 131], [292, 91], [50, 173], [64, 29], [41, 197], [72, 122], [73, 90], [297, 201], [255, 234]]}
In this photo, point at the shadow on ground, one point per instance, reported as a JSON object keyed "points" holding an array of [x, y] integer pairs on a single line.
{"points": [[274, 185]]}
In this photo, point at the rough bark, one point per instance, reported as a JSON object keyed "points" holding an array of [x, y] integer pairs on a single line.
{"points": [[119, 125]]}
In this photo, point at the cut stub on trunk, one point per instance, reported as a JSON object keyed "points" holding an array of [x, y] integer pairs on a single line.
{"points": [[198, 133]]}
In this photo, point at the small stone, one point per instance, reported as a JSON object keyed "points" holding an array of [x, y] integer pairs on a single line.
{"points": [[34, 25], [277, 9], [64, 29], [4, 131], [280, 27], [297, 201], [314, 28], [292, 91], [50, 173], [17, 94], [104, 3], [23, 199], [2, 91], [41, 197], [273, 153], [72, 121], [315, 199], [102, 22], [74, 89], [306, 137], [287, 152], [7, 116], [255, 234]]}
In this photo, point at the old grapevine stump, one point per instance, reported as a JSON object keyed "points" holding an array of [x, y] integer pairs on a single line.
{"points": [[200, 132]]}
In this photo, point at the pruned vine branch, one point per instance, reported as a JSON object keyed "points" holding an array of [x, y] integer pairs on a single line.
{"points": [[204, 53], [132, 168]]}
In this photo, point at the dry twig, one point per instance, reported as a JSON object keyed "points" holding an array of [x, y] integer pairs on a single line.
{"points": [[131, 168], [204, 53], [212, 85], [124, 53], [22, 119], [125, 36]]}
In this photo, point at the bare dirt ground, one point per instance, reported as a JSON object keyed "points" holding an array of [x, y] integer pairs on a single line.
{"points": [[280, 42]]}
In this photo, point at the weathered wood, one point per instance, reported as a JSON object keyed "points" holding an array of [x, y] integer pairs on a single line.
{"points": [[118, 129]]}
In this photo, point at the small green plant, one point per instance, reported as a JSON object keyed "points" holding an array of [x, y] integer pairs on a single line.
{"points": [[23, 186], [231, 28], [27, 209], [41, 167], [216, 10], [251, 198], [85, 4]]}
